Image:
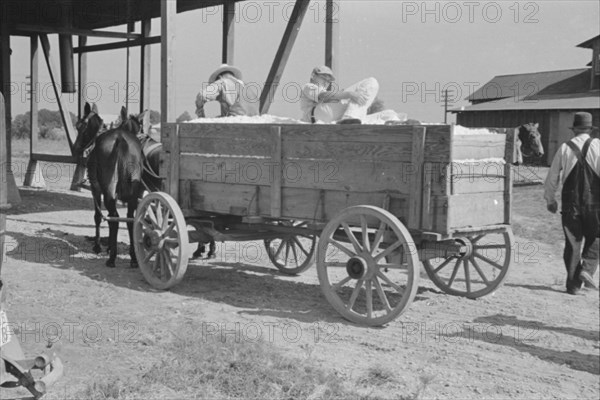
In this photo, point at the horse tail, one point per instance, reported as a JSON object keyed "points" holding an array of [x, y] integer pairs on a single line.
{"points": [[129, 170]]}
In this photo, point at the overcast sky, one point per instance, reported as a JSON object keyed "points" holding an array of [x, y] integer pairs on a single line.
{"points": [[415, 49]]}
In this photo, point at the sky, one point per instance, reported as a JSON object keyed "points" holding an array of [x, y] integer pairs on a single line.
{"points": [[415, 49]]}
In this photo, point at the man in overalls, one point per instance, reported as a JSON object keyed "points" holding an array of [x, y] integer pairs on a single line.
{"points": [[579, 162]]}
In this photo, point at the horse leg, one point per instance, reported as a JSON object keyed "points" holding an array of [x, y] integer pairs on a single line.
{"points": [[211, 250], [97, 219], [111, 206], [199, 251], [131, 207]]}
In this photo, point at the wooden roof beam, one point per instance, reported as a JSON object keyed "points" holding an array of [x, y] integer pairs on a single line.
{"points": [[117, 45], [26, 30], [283, 54]]}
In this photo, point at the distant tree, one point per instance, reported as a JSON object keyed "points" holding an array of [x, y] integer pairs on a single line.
{"points": [[184, 117], [154, 117], [20, 126], [49, 122], [376, 106]]}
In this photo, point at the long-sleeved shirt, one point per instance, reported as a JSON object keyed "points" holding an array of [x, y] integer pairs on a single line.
{"points": [[564, 161], [228, 90]]}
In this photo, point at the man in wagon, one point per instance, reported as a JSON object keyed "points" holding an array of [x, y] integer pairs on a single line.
{"points": [[321, 101], [577, 166], [226, 86]]}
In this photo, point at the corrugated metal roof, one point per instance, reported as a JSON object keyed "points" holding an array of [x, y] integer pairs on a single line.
{"points": [[574, 101], [529, 84], [89, 14]]}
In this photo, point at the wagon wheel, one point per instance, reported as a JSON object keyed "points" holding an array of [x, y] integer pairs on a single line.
{"points": [[161, 240], [293, 253], [354, 274], [480, 271]]}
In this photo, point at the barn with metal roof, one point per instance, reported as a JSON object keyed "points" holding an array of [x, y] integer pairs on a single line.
{"points": [[549, 98]]}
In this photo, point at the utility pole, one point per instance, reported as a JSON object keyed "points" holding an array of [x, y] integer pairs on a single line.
{"points": [[445, 98]]}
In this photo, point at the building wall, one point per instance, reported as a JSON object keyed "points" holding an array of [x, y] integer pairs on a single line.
{"points": [[553, 124]]}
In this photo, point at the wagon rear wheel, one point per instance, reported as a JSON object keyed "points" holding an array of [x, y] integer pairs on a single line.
{"points": [[480, 271], [292, 254], [353, 272], [161, 240]]}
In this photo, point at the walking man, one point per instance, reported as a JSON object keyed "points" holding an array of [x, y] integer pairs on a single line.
{"points": [[577, 166]]}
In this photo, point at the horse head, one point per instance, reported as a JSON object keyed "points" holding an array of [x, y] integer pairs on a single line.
{"points": [[531, 140], [87, 128], [132, 123]]}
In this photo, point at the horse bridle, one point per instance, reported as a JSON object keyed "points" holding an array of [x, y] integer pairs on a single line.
{"points": [[84, 122]]}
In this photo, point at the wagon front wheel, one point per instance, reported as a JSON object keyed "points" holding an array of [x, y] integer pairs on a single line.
{"points": [[367, 265], [161, 240], [480, 270], [293, 253]]}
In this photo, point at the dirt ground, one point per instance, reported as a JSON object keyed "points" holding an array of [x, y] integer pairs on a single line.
{"points": [[529, 340]]}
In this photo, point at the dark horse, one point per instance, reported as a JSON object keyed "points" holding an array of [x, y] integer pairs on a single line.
{"points": [[89, 128], [115, 166], [528, 142]]}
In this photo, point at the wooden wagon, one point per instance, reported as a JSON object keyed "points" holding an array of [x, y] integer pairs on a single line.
{"points": [[368, 202]]}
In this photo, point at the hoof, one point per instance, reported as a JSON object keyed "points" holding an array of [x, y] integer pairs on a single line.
{"points": [[110, 264], [210, 256], [97, 249], [197, 254]]}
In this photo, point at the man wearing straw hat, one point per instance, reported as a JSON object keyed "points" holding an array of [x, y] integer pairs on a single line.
{"points": [[577, 166], [226, 86]]}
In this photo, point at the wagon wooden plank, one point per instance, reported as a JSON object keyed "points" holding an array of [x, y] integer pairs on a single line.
{"points": [[475, 209], [377, 150], [467, 147], [348, 175]]}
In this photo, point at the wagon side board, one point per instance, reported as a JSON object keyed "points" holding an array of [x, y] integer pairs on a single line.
{"points": [[311, 172]]}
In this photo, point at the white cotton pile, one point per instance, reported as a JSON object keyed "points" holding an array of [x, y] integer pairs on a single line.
{"points": [[244, 119], [481, 161], [461, 130]]}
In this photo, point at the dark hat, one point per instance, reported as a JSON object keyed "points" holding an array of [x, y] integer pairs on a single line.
{"points": [[582, 120], [323, 70]]}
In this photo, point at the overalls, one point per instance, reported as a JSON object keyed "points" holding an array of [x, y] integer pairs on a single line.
{"points": [[580, 217]]}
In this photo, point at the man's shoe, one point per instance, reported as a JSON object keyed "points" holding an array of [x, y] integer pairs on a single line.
{"points": [[588, 280]]}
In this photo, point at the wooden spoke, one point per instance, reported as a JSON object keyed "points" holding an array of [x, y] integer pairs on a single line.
{"points": [[145, 225], [438, 269], [467, 275], [152, 218], [382, 295], [387, 280], [343, 249], [355, 293], [454, 272], [287, 252], [387, 251], [335, 264], [477, 238], [168, 261], [165, 220], [300, 246], [159, 214], [487, 260], [149, 256], [378, 236], [168, 230], [279, 248], [341, 283], [489, 246], [365, 233], [479, 271], [352, 238], [369, 296], [390, 266], [294, 252]]}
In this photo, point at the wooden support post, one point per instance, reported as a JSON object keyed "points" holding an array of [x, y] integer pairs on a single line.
{"points": [[145, 61], [283, 53], [508, 177], [82, 74], [79, 174], [228, 32], [62, 106], [5, 86], [33, 175], [167, 71], [275, 180], [332, 34], [173, 178]]}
